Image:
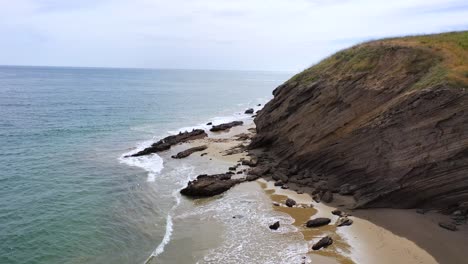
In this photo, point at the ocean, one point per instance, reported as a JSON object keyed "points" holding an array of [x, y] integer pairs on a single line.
{"points": [[67, 195]]}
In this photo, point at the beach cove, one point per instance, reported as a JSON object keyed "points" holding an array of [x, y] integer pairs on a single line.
{"points": [[234, 227]]}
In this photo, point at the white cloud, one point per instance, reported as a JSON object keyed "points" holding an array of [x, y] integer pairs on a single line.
{"points": [[220, 34]]}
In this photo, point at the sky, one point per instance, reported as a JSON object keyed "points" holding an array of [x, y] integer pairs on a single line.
{"points": [[277, 35]]}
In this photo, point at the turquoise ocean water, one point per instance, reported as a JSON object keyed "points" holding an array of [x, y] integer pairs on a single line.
{"points": [[65, 194]]}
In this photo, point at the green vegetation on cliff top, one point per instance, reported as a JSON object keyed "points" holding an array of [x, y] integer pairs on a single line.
{"points": [[446, 56]]}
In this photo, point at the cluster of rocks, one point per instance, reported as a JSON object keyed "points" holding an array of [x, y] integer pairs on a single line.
{"points": [[342, 220], [167, 142]]}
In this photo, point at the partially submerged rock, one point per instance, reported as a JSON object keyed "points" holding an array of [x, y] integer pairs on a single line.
{"points": [[317, 222], [275, 226], [209, 185], [249, 111], [226, 126], [189, 151], [324, 242], [167, 142]]}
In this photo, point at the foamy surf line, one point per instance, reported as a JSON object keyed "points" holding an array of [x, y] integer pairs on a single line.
{"points": [[153, 164], [169, 225]]}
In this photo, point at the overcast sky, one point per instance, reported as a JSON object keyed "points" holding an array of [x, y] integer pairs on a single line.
{"points": [[208, 34]]}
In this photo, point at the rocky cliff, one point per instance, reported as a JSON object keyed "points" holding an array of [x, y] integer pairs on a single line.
{"points": [[389, 117]]}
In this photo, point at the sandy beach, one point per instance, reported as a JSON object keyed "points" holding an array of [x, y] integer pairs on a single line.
{"points": [[376, 235]]}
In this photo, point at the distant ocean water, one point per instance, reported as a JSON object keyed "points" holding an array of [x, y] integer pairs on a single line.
{"points": [[66, 195]]}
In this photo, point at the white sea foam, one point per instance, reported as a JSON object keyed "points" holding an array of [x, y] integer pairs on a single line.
{"points": [[153, 163], [169, 224]]}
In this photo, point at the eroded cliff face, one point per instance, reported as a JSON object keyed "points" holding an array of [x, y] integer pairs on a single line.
{"points": [[376, 116]]}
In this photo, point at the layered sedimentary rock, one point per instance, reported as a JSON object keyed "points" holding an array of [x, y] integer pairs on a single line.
{"points": [[389, 118]]}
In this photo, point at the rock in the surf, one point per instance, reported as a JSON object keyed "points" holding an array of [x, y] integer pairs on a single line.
{"points": [[275, 226], [249, 111], [167, 142], [209, 185]]}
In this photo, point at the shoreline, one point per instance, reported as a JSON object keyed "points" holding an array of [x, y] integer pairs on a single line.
{"points": [[374, 237]]}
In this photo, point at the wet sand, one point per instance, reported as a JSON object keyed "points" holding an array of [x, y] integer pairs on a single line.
{"points": [[362, 242]]}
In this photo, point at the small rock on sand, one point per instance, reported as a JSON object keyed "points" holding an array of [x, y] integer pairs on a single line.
{"points": [[324, 242], [317, 222], [448, 226], [344, 221]]}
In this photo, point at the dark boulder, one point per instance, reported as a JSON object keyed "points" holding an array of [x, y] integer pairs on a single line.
{"points": [[324, 242], [226, 126], [209, 185], [290, 202], [209, 123], [167, 142], [188, 152], [317, 222], [249, 111], [275, 226]]}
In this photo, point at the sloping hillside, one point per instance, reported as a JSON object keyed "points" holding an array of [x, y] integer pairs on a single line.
{"points": [[389, 117]]}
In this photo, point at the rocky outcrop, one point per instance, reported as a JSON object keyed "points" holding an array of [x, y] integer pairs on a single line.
{"points": [[209, 185], [386, 121], [226, 126], [167, 142], [189, 152]]}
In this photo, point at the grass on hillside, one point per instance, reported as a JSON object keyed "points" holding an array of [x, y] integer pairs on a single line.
{"points": [[448, 52]]}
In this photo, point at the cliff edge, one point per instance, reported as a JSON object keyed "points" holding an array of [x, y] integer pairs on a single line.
{"points": [[389, 117]]}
